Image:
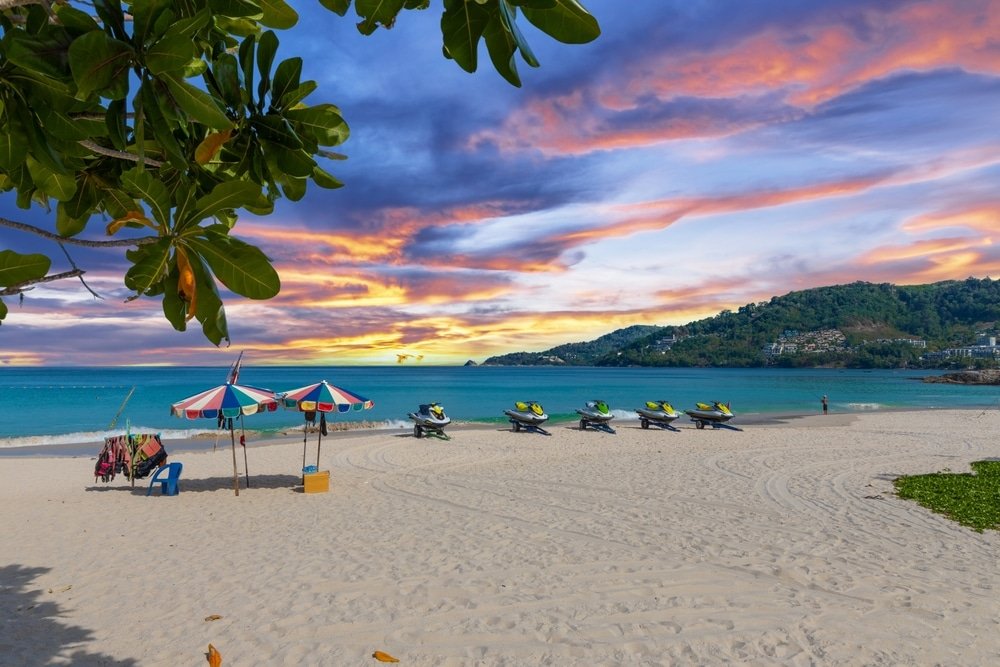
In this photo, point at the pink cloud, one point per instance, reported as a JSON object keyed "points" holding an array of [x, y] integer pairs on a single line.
{"points": [[804, 66]]}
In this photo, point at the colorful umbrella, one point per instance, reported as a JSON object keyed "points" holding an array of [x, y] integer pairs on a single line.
{"points": [[322, 397], [224, 403]]}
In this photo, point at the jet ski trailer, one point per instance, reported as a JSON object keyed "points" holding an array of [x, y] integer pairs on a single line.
{"points": [[596, 415], [657, 413], [713, 414], [430, 420], [527, 416]]}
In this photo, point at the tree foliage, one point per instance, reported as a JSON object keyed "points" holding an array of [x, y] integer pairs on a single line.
{"points": [[173, 116], [945, 314]]}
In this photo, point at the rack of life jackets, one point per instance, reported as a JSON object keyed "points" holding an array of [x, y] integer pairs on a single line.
{"points": [[134, 455]]}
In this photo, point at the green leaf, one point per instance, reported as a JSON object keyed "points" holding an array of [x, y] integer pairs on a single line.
{"points": [[174, 309], [377, 12], [293, 97], [324, 179], [286, 79], [462, 26], [322, 121], [198, 104], [338, 6], [501, 46], [226, 195], [278, 14], [170, 54], [246, 53], [115, 121], [43, 55], [297, 164], [210, 311], [75, 21], [145, 14], [190, 26], [16, 268], [294, 189], [3, 309], [61, 126], [149, 265], [225, 72], [236, 9], [266, 48], [13, 149], [567, 22], [510, 20], [58, 186], [143, 185], [241, 267], [276, 129], [100, 63]]}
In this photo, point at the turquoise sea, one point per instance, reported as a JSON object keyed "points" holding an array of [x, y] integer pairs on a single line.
{"points": [[55, 406]]}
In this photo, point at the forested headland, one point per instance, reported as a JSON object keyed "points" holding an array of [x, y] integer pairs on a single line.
{"points": [[860, 325]]}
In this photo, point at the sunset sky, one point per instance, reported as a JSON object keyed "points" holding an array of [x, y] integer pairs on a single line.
{"points": [[698, 156]]}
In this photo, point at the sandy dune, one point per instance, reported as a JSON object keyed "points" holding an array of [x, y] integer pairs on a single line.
{"points": [[781, 544]]}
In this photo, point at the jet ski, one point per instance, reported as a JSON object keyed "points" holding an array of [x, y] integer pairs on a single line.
{"points": [[596, 414], [714, 413], [430, 419], [528, 415], [657, 413]]}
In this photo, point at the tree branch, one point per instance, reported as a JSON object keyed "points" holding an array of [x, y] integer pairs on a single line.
{"points": [[110, 152], [116, 243], [73, 264], [20, 287]]}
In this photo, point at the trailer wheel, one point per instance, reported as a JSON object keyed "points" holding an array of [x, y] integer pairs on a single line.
{"points": [[418, 432], [700, 424], [644, 423], [583, 425], [517, 426]]}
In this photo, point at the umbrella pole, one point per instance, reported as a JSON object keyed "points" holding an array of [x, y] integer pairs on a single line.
{"points": [[243, 444], [236, 476], [319, 440], [305, 437]]}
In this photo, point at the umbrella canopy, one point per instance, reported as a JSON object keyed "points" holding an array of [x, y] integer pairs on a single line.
{"points": [[325, 397], [228, 400]]}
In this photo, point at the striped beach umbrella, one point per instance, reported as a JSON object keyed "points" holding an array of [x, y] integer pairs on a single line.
{"points": [[228, 400], [224, 403], [322, 397]]}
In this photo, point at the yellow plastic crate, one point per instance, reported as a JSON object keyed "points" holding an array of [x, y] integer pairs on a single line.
{"points": [[316, 482]]}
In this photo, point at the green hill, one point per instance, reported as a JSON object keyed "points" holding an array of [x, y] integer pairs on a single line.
{"points": [[862, 325]]}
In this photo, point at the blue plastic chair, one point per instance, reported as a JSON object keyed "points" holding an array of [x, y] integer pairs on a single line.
{"points": [[167, 477]]}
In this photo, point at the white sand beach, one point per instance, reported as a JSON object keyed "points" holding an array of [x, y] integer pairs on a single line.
{"points": [[780, 544]]}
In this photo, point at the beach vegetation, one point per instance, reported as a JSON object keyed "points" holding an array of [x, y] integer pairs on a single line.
{"points": [[971, 499], [166, 120]]}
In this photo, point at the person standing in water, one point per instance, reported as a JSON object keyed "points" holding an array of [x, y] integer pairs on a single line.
{"points": [[826, 404]]}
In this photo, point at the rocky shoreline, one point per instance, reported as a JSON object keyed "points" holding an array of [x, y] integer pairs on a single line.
{"points": [[967, 377]]}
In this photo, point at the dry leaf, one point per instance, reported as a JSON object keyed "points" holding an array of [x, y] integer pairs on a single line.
{"points": [[186, 283], [213, 617], [384, 657], [61, 589], [211, 145], [214, 657]]}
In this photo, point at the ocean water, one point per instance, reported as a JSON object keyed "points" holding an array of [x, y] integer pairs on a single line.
{"points": [[52, 406]]}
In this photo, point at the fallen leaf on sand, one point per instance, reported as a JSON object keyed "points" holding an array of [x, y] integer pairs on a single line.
{"points": [[61, 589], [214, 657], [213, 617], [384, 657]]}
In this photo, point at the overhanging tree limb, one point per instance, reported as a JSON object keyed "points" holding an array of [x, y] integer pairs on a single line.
{"points": [[20, 287], [115, 243]]}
